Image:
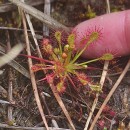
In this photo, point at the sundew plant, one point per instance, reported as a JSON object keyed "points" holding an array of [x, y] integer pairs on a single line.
{"points": [[62, 61]]}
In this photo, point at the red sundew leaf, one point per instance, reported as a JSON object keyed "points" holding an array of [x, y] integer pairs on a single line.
{"points": [[112, 113], [108, 110], [94, 30], [50, 78], [43, 79], [47, 78], [71, 81], [45, 41], [64, 35], [37, 58], [101, 123], [82, 78], [60, 87], [35, 68], [38, 67]]}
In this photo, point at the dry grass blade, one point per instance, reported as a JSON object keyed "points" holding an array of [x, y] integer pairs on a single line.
{"points": [[11, 54], [58, 98], [33, 33], [19, 68], [47, 10], [3, 91], [4, 102], [50, 22], [32, 74], [16, 65]]}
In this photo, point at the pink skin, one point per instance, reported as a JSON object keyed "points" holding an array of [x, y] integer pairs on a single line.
{"points": [[114, 31]]}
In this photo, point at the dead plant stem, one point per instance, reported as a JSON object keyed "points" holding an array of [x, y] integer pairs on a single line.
{"points": [[32, 74], [58, 98]]}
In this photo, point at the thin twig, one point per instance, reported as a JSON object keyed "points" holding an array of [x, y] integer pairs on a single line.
{"points": [[33, 34], [14, 29], [32, 74], [110, 94], [109, 75], [54, 123], [28, 128]]}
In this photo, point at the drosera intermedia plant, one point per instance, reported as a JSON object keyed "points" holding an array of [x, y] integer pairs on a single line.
{"points": [[62, 61]]}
